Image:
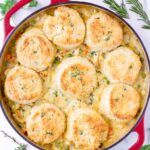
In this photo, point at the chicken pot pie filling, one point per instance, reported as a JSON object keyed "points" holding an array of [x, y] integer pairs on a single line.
{"points": [[86, 66]]}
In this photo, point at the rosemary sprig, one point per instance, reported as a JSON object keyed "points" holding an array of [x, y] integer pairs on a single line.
{"points": [[20, 145], [137, 7], [119, 9], [145, 147]]}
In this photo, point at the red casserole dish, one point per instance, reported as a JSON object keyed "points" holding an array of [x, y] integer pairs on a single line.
{"points": [[9, 30]]}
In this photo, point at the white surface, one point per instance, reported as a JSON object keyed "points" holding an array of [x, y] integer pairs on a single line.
{"points": [[6, 144]]}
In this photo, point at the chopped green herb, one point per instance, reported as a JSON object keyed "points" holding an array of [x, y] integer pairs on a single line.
{"points": [[62, 94], [91, 99], [124, 89], [103, 55], [32, 22], [98, 71], [116, 99], [141, 59], [22, 109], [67, 147], [81, 132], [97, 17], [66, 99], [143, 74], [76, 72], [92, 53], [71, 25], [108, 36], [50, 133], [138, 86], [79, 78], [130, 67], [32, 80], [42, 114], [59, 145], [55, 93], [58, 49], [80, 51], [106, 80], [22, 88], [69, 55], [56, 60], [100, 145]]}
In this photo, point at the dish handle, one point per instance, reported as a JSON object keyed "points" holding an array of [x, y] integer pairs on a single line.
{"points": [[141, 136], [7, 26]]}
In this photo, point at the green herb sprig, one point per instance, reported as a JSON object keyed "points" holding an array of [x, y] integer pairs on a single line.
{"points": [[4, 7], [137, 7], [119, 9], [20, 145], [33, 3], [145, 147]]}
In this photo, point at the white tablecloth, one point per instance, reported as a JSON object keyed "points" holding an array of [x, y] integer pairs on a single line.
{"points": [[6, 144]]}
